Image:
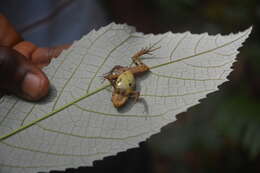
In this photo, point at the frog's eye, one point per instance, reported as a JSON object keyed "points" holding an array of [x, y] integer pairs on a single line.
{"points": [[130, 84]]}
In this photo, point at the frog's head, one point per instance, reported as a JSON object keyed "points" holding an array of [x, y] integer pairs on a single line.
{"points": [[119, 99]]}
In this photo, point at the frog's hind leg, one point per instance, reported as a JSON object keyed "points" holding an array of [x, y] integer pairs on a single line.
{"points": [[140, 66], [136, 58], [135, 95]]}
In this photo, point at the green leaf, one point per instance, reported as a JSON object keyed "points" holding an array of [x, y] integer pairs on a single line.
{"points": [[79, 124]]}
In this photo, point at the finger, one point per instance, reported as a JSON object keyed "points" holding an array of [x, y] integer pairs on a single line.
{"points": [[43, 56], [8, 35], [26, 48], [19, 76], [39, 56]]}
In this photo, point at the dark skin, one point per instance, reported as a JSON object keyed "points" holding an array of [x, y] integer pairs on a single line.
{"points": [[21, 64]]}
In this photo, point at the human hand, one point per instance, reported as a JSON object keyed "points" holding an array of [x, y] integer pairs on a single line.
{"points": [[21, 63]]}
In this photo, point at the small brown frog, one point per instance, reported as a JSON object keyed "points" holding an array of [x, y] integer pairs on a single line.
{"points": [[123, 78]]}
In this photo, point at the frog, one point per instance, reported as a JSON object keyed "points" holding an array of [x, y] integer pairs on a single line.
{"points": [[123, 78]]}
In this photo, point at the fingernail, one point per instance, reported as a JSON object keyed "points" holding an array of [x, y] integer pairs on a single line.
{"points": [[31, 86]]}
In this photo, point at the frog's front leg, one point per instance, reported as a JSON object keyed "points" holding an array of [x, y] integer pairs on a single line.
{"points": [[113, 74], [118, 69]]}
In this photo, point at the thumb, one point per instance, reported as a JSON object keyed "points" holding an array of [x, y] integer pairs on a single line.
{"points": [[19, 76]]}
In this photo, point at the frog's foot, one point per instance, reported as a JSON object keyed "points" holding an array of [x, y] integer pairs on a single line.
{"points": [[111, 78], [135, 95], [148, 50]]}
